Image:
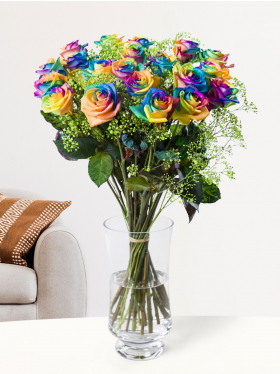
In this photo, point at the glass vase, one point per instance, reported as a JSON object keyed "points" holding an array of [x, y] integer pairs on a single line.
{"points": [[139, 311]]}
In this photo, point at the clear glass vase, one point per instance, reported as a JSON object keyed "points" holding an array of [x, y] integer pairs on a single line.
{"points": [[139, 311]]}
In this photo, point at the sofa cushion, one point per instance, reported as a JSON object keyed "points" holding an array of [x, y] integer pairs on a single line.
{"points": [[21, 223], [28, 195], [18, 284]]}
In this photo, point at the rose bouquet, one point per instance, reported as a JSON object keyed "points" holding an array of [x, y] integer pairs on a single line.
{"points": [[156, 122]]}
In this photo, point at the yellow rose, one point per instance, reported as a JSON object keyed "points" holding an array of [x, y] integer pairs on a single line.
{"points": [[59, 100]]}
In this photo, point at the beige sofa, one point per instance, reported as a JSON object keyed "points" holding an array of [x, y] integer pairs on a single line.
{"points": [[55, 286]]}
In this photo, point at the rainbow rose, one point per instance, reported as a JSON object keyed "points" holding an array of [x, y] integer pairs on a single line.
{"points": [[57, 66], [188, 75], [97, 67], [48, 81], [110, 39], [161, 63], [44, 69], [214, 70], [221, 94], [136, 49], [58, 100], [74, 56], [123, 68], [140, 82], [141, 40], [212, 55], [157, 106], [192, 105], [185, 50], [100, 103], [52, 74]]}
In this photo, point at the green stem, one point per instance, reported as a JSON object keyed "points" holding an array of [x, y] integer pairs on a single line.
{"points": [[131, 305], [138, 315], [118, 200], [156, 306], [144, 293], [149, 218], [118, 307], [149, 311], [155, 147], [139, 266], [119, 191], [133, 328], [122, 319], [128, 200], [170, 141], [135, 198], [150, 156]]}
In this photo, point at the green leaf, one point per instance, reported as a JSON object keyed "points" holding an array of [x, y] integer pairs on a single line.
{"points": [[104, 126], [86, 148], [166, 155], [211, 193], [157, 182], [52, 119], [112, 150], [137, 137], [129, 142], [191, 208], [118, 173], [181, 141], [100, 168], [137, 184], [157, 172]]}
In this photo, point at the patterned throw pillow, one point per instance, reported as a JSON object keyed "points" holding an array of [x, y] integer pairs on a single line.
{"points": [[21, 223]]}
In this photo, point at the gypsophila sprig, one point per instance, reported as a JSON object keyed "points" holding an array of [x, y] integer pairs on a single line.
{"points": [[132, 170], [245, 104]]}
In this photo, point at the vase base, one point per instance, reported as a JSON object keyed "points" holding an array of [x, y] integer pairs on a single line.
{"points": [[140, 352]]}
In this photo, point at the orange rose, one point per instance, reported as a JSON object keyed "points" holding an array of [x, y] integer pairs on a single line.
{"points": [[100, 103]]}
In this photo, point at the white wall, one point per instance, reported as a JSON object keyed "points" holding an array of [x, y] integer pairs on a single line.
{"points": [[227, 261]]}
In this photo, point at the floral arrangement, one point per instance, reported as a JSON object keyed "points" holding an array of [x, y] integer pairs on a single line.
{"points": [[155, 120]]}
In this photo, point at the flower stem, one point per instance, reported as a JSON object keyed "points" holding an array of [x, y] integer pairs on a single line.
{"points": [[156, 306], [131, 305], [149, 311], [128, 197]]}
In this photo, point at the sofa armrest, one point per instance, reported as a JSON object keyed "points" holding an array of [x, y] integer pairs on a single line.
{"points": [[60, 270]]}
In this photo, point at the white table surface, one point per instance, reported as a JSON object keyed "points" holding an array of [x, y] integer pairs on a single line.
{"points": [[196, 345]]}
